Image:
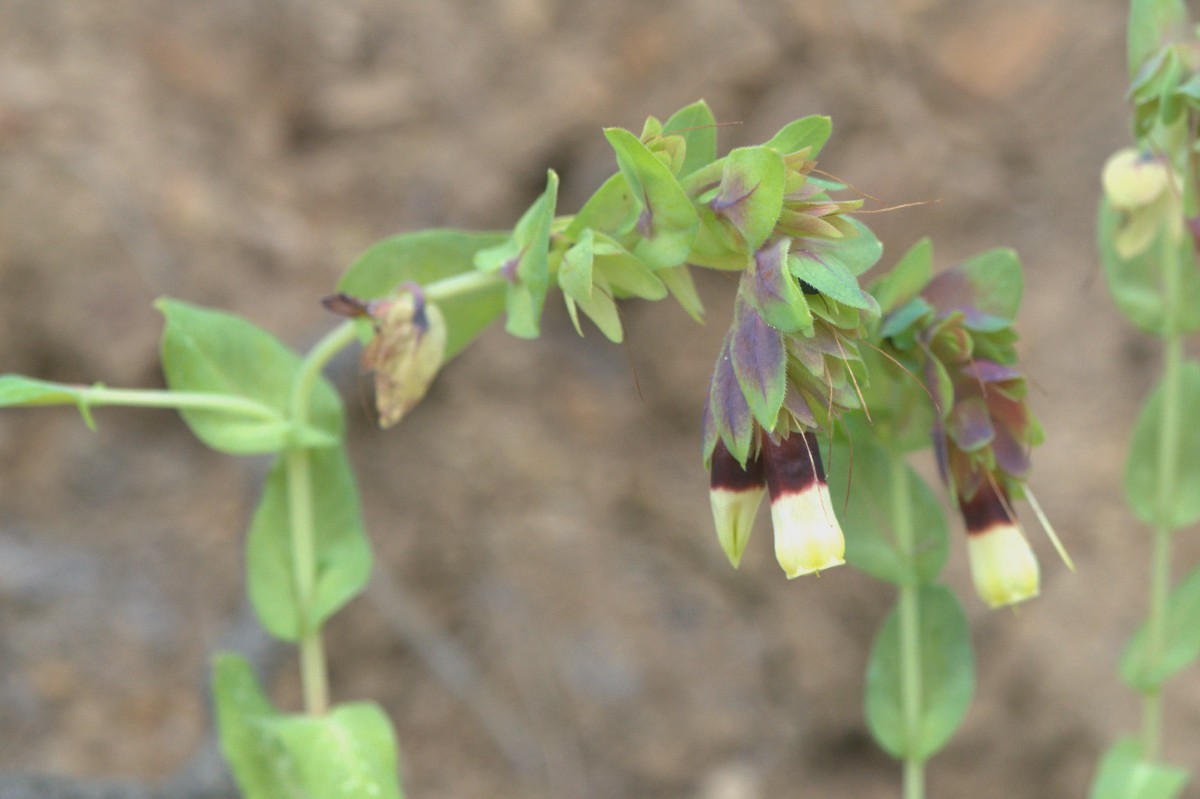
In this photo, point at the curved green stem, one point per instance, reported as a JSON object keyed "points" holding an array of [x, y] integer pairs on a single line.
{"points": [[910, 629]]}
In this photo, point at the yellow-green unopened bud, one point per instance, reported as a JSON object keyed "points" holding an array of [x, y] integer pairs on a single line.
{"points": [[1132, 180]]}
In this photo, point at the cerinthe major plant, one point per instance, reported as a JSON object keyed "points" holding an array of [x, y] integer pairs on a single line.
{"points": [[815, 369]]}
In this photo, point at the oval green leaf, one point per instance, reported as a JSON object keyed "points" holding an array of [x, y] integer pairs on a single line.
{"points": [[1136, 283], [347, 753], [1181, 644], [342, 553], [1176, 502], [668, 221], [1124, 775], [863, 471], [696, 124], [947, 677], [212, 352]]}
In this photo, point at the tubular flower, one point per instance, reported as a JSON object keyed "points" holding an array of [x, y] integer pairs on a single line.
{"points": [[736, 493], [808, 537], [1003, 566]]}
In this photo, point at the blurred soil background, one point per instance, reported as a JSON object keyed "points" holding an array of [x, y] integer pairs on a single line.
{"points": [[552, 616]]}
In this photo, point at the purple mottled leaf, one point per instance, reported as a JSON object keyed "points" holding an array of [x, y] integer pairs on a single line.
{"points": [[986, 289], [798, 407], [750, 196], [775, 292], [708, 430], [970, 426], [1011, 455], [759, 362], [987, 371], [937, 380], [727, 406]]}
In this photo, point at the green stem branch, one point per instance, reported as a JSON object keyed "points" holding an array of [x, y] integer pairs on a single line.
{"points": [[98, 396], [910, 630], [314, 676], [1168, 452]]}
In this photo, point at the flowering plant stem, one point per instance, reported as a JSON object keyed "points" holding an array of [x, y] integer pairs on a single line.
{"points": [[313, 673], [1160, 561], [910, 630]]}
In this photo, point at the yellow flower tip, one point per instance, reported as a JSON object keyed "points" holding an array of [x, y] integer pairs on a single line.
{"points": [[1003, 566], [1132, 179], [808, 537], [733, 513]]}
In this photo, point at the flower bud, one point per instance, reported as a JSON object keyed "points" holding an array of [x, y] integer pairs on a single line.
{"points": [[808, 537], [736, 493], [1132, 179], [406, 353], [1003, 566]]}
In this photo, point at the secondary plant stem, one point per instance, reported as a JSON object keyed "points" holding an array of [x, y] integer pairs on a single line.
{"points": [[95, 396], [910, 632], [313, 672], [464, 283], [1168, 446]]}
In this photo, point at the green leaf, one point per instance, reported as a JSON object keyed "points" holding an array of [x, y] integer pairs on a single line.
{"points": [[524, 261], [667, 222], [1153, 23], [342, 554], [1136, 283], [986, 288], [347, 753], [575, 271], [1143, 476], [775, 293], [811, 131], [859, 253], [623, 273], [699, 130], [678, 280], [612, 210], [947, 677], [18, 391], [750, 196], [1124, 775], [906, 279], [899, 320], [826, 273], [427, 257], [245, 725], [212, 352], [601, 309], [1181, 644], [862, 470]]}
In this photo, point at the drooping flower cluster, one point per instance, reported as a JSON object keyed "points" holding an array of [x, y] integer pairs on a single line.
{"points": [[955, 332], [790, 362]]}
